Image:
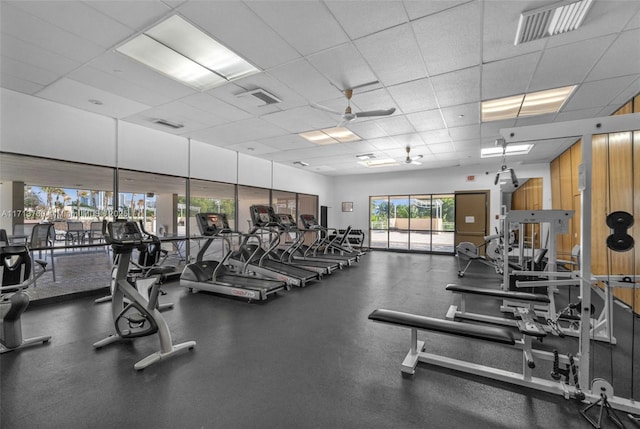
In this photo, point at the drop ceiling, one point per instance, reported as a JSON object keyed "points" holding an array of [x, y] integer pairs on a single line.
{"points": [[433, 61]]}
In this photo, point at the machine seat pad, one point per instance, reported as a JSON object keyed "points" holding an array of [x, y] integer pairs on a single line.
{"points": [[480, 332], [498, 293]]}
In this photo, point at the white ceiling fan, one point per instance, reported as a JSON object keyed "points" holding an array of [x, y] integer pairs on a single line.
{"points": [[348, 115], [410, 160]]}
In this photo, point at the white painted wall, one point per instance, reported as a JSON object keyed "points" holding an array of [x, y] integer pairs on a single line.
{"points": [[33, 126], [286, 178], [145, 149], [359, 188], [210, 162]]}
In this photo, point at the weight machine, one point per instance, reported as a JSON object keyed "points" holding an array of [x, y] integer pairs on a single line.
{"points": [[584, 129]]}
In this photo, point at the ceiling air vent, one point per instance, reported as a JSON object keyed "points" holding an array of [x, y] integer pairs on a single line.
{"points": [[262, 95], [167, 123], [551, 20]]}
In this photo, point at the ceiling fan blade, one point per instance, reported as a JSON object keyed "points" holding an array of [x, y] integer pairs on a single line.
{"points": [[375, 113], [343, 122], [326, 109]]}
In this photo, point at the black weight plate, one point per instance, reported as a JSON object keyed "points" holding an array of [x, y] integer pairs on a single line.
{"points": [[620, 242], [619, 219]]}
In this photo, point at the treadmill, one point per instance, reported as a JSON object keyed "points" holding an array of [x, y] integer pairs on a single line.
{"points": [[266, 262], [214, 276], [322, 244], [292, 255]]}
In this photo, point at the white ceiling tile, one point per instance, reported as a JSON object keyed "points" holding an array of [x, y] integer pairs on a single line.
{"points": [[492, 129], [123, 67], [308, 25], [79, 19], [240, 131], [413, 140], [508, 77], [468, 146], [435, 136], [133, 14], [634, 22], [393, 55], [572, 115], [627, 94], [569, 64], [384, 143], [343, 66], [464, 114], [445, 47], [464, 133], [458, 87], [28, 53], [287, 142], [215, 107], [28, 72], [111, 82], [622, 57], [47, 36], [418, 9], [18, 84], [605, 17], [427, 120], [76, 94], [360, 21], [440, 148], [300, 76], [301, 119], [366, 129], [252, 148], [414, 96], [597, 93], [500, 24], [394, 125], [378, 99], [287, 96], [237, 27]]}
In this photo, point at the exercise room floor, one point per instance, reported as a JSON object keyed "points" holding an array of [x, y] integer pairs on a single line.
{"points": [[308, 358]]}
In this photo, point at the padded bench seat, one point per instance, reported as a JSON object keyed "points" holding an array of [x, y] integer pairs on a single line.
{"points": [[498, 293], [487, 333]]}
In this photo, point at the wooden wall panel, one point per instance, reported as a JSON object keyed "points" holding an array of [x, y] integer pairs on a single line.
{"points": [[566, 194], [615, 186], [599, 208]]}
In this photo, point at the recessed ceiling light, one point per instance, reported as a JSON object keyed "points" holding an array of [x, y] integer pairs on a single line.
{"points": [[533, 103], [181, 51], [96, 102], [513, 149], [387, 162], [330, 136], [365, 156]]}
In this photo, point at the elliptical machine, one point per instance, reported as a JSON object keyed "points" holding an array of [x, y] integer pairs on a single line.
{"points": [[133, 314], [16, 267]]}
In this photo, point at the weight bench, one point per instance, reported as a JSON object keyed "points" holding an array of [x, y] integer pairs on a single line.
{"points": [[476, 332], [520, 299]]}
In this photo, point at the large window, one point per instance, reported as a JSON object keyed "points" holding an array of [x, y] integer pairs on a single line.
{"points": [[247, 197], [412, 222], [211, 197], [157, 199]]}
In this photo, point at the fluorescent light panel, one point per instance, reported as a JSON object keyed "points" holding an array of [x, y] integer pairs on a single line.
{"points": [[330, 136], [179, 50], [551, 20], [534, 103], [387, 162], [513, 149]]}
